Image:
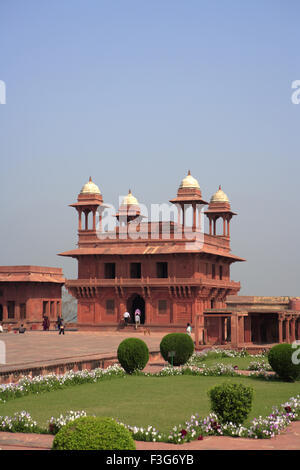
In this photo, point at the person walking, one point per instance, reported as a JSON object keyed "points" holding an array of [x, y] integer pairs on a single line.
{"points": [[137, 317], [58, 322], [189, 329], [61, 327], [126, 317]]}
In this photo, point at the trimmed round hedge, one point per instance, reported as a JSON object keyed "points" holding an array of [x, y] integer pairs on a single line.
{"points": [[133, 354], [180, 343], [93, 433], [281, 360], [231, 402]]}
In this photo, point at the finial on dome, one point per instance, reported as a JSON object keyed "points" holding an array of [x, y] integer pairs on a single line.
{"points": [[189, 173], [90, 179], [220, 187]]}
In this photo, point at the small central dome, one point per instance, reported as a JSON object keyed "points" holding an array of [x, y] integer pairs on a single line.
{"points": [[189, 182], [219, 196], [90, 188], [130, 200]]}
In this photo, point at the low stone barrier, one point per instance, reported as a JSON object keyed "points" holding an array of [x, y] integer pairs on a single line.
{"points": [[13, 375]]}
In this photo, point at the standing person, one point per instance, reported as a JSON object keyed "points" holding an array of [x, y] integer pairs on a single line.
{"points": [[137, 317], [61, 327], [58, 322], [45, 323], [1, 327], [189, 329], [126, 317]]}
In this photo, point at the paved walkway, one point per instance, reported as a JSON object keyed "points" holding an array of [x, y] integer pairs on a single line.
{"points": [[36, 348], [289, 440]]}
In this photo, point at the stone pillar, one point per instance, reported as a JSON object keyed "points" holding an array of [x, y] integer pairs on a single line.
{"points": [[228, 228], [210, 226], [194, 217], [293, 330], [234, 330], [48, 309], [280, 330], [247, 324], [94, 220], [225, 328], [241, 330], [287, 330], [178, 214], [183, 216], [79, 219], [224, 227], [86, 220], [214, 227], [5, 312], [199, 219], [298, 328]]}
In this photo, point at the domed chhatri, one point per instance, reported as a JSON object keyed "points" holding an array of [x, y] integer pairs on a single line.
{"points": [[129, 209], [130, 200], [189, 182], [219, 196], [90, 188]]}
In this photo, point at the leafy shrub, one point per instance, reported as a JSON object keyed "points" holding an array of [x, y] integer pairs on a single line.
{"points": [[93, 433], [133, 354], [280, 359], [181, 343], [231, 402]]}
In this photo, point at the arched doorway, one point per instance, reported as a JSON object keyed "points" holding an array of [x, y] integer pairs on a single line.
{"points": [[134, 302], [1, 312]]}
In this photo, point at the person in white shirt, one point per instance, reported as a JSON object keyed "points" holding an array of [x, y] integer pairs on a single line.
{"points": [[126, 317], [189, 329]]}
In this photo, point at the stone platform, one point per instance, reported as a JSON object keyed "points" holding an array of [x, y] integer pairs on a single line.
{"points": [[42, 352]]}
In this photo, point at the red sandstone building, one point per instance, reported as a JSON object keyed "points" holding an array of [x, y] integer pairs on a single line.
{"points": [[172, 271], [254, 320], [28, 293]]}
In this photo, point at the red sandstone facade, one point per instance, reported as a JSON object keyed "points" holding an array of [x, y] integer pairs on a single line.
{"points": [[173, 277], [254, 320], [27, 293]]}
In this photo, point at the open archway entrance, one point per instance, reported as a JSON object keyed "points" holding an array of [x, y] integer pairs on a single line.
{"points": [[134, 302]]}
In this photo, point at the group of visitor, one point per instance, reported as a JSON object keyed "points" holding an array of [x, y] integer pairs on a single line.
{"points": [[59, 324], [137, 318]]}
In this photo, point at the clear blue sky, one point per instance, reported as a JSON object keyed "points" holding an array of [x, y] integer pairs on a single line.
{"points": [[135, 93]]}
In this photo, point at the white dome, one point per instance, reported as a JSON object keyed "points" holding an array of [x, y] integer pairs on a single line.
{"points": [[189, 182], [90, 188]]}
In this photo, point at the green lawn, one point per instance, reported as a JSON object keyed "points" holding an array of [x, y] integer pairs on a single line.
{"points": [[212, 358], [162, 402], [241, 362]]}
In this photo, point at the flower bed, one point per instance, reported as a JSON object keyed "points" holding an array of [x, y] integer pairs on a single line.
{"points": [[46, 383], [193, 429]]}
